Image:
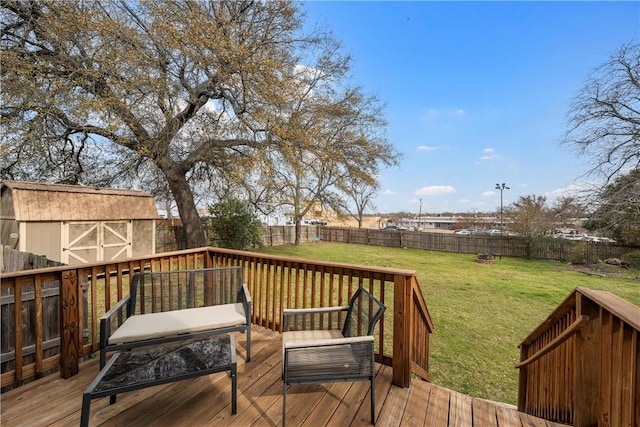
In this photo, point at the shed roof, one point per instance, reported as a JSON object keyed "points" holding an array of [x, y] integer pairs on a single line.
{"points": [[41, 201]]}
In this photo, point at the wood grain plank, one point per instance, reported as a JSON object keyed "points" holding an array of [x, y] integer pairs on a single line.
{"points": [[394, 407], [484, 413], [460, 410], [56, 402], [531, 421], [507, 417], [383, 379], [438, 410], [416, 408], [357, 395]]}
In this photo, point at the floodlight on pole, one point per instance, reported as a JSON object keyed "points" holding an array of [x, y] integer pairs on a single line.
{"points": [[501, 187]]}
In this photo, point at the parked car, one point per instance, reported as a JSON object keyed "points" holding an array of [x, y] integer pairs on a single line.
{"points": [[394, 227], [463, 231]]}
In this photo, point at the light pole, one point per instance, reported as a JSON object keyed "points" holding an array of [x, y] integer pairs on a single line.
{"points": [[419, 214], [501, 188]]}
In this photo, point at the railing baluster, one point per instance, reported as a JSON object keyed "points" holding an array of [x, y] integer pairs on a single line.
{"points": [[274, 282]]}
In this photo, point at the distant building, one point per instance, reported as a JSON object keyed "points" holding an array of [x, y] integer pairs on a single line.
{"points": [[451, 222]]}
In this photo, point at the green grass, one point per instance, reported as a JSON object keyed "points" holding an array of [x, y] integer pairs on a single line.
{"points": [[481, 312]]}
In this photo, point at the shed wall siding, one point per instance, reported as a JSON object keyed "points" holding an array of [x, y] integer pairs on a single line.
{"points": [[43, 238], [144, 233], [6, 205], [9, 232]]}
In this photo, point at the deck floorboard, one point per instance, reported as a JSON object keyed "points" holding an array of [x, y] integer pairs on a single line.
{"points": [[206, 401]]}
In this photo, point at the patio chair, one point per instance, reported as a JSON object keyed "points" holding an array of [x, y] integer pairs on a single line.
{"points": [[330, 344]]}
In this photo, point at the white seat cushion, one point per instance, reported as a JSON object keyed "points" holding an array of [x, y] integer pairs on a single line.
{"points": [[169, 323], [291, 336]]}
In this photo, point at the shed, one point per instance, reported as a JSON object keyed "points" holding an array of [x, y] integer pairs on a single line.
{"points": [[76, 224]]}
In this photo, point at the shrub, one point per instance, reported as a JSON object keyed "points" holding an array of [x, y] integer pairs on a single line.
{"points": [[633, 258], [234, 225], [578, 253]]}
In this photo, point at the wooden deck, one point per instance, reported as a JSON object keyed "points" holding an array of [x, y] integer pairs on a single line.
{"points": [[202, 401]]}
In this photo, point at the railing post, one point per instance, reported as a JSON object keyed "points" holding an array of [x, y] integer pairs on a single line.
{"points": [[70, 346], [587, 369], [523, 376], [209, 258], [401, 332]]}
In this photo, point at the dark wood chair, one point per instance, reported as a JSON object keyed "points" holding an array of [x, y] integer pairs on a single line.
{"points": [[330, 344]]}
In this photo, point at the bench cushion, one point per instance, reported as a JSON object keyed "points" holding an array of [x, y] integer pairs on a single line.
{"points": [[170, 323]]}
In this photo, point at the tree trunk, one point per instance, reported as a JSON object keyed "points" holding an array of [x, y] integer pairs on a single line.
{"points": [[298, 229], [187, 209]]}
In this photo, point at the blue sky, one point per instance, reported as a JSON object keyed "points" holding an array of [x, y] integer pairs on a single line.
{"points": [[476, 93]]}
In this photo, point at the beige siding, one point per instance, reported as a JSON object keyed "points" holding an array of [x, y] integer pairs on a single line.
{"points": [[9, 232], [6, 206], [43, 238], [144, 233]]}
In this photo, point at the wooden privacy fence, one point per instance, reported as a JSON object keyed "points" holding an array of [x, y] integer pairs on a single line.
{"points": [[32, 345], [172, 237], [14, 260], [539, 248], [582, 365]]}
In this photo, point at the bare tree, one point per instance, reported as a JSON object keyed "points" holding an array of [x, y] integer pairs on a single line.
{"points": [[95, 91], [566, 212], [529, 216], [329, 136], [361, 193], [618, 210], [604, 120]]}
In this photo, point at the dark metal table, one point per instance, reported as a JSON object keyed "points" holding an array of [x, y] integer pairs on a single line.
{"points": [[149, 366]]}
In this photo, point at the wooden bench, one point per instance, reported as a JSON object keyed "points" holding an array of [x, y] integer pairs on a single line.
{"points": [[177, 305]]}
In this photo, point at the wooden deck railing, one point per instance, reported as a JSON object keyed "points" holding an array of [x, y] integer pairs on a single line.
{"points": [[58, 309], [581, 366], [275, 283]]}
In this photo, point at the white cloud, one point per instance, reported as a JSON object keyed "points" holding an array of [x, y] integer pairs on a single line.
{"points": [[488, 193], [388, 192], [489, 154], [573, 190], [432, 114], [427, 148], [435, 190]]}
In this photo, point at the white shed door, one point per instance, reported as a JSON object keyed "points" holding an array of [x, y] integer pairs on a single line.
{"points": [[84, 242]]}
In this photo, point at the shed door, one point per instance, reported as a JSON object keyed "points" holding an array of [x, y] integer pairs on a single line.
{"points": [[84, 242]]}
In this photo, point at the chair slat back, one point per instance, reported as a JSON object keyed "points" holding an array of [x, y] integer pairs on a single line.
{"points": [[154, 292], [364, 312]]}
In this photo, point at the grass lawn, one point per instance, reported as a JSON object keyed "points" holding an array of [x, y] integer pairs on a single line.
{"points": [[481, 312]]}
